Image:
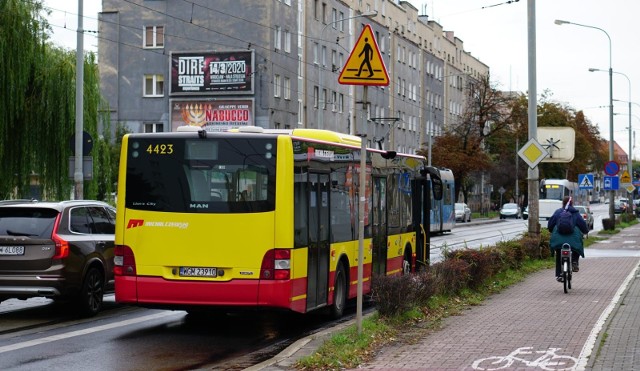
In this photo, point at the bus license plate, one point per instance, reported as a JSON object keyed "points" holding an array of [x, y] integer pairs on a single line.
{"points": [[11, 250], [198, 272]]}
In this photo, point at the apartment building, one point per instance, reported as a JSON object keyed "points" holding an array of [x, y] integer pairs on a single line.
{"points": [[275, 64]]}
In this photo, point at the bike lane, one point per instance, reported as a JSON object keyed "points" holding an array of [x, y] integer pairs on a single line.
{"points": [[531, 325]]}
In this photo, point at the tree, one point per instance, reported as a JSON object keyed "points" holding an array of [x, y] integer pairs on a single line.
{"points": [[462, 147], [37, 104]]}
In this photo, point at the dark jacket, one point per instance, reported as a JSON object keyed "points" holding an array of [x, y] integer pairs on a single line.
{"points": [[575, 239]]}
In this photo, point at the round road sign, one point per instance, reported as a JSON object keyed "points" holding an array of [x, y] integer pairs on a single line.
{"points": [[611, 168]]}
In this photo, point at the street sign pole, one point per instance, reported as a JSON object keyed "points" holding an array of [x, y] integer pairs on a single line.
{"points": [[362, 200], [365, 67]]}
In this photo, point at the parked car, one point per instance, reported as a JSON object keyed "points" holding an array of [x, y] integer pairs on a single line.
{"points": [[619, 207], [525, 213], [59, 250], [463, 212], [587, 215], [510, 210]]}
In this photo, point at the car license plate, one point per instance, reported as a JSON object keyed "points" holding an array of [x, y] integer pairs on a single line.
{"points": [[198, 272], [11, 250]]}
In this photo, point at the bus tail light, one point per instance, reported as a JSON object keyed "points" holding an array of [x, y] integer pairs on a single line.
{"points": [[276, 265], [124, 262], [62, 246]]}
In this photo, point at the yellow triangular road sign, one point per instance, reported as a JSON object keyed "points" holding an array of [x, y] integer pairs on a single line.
{"points": [[365, 65], [625, 178]]}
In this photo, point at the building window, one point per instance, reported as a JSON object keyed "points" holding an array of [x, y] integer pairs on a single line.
{"points": [[324, 55], [340, 102], [324, 13], [324, 98], [315, 52], [341, 22], [153, 37], [315, 9], [153, 85], [334, 101], [315, 97], [153, 127], [276, 86], [287, 88], [287, 41], [334, 18], [277, 37]]}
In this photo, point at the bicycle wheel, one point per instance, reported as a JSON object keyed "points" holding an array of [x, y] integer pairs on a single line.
{"points": [[565, 276], [492, 363], [559, 363], [569, 276]]}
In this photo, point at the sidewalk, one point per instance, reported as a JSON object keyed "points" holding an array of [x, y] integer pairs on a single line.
{"points": [[533, 324]]}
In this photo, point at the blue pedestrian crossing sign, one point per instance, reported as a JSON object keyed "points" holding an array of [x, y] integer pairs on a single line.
{"points": [[585, 181]]}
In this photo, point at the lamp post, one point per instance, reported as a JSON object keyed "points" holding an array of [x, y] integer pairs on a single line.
{"points": [[611, 192], [630, 164], [321, 101]]}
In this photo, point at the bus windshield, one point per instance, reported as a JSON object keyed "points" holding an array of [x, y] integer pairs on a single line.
{"points": [[552, 192], [203, 175]]}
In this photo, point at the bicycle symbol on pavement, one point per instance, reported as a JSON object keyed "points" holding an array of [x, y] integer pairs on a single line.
{"points": [[548, 360]]}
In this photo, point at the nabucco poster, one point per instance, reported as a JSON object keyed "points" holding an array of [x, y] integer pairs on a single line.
{"points": [[212, 115]]}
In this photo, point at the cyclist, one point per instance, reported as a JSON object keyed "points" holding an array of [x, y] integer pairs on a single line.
{"points": [[574, 239]]}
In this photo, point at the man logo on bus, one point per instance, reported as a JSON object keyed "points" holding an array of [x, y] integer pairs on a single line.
{"points": [[135, 223]]}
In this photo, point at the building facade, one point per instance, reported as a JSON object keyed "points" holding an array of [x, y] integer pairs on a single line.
{"points": [[275, 64]]}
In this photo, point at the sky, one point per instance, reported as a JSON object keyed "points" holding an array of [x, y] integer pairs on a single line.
{"points": [[496, 32]]}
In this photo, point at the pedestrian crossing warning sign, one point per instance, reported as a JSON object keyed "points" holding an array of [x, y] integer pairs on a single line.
{"points": [[365, 65], [585, 181]]}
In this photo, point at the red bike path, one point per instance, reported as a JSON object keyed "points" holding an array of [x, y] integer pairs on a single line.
{"points": [[532, 324]]}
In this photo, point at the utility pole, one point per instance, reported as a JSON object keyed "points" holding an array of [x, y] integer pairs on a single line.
{"points": [[532, 174], [78, 176]]}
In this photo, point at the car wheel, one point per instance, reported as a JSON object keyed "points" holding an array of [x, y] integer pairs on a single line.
{"points": [[91, 295]]}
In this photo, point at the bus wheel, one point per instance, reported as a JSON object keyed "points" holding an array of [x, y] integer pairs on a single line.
{"points": [[339, 293], [406, 263]]}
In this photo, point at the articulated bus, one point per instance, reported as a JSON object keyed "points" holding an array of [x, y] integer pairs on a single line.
{"points": [[264, 219], [552, 191], [443, 213]]}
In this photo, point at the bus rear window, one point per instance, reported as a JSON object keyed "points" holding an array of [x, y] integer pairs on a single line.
{"points": [[212, 175]]}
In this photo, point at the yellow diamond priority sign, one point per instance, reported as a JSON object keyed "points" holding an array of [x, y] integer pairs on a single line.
{"points": [[532, 153], [365, 65]]}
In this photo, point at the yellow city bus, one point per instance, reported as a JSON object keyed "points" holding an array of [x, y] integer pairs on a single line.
{"points": [[263, 219]]}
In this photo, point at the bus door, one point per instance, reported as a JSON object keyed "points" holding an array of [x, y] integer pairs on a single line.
{"points": [[420, 221], [318, 257], [379, 225]]}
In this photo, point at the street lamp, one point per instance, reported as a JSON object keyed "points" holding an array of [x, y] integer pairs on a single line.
{"points": [[630, 164], [321, 101], [611, 192]]}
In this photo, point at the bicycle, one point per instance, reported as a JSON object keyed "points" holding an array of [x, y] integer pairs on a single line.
{"points": [[549, 360], [566, 266]]}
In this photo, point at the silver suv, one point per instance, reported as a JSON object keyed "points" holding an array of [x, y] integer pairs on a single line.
{"points": [[59, 250]]}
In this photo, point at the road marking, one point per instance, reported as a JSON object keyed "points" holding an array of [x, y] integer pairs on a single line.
{"points": [[591, 340], [49, 339]]}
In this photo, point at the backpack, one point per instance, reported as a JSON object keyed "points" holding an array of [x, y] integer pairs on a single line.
{"points": [[565, 222]]}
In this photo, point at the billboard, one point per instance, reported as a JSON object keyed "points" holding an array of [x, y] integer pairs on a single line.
{"points": [[213, 114], [215, 72]]}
